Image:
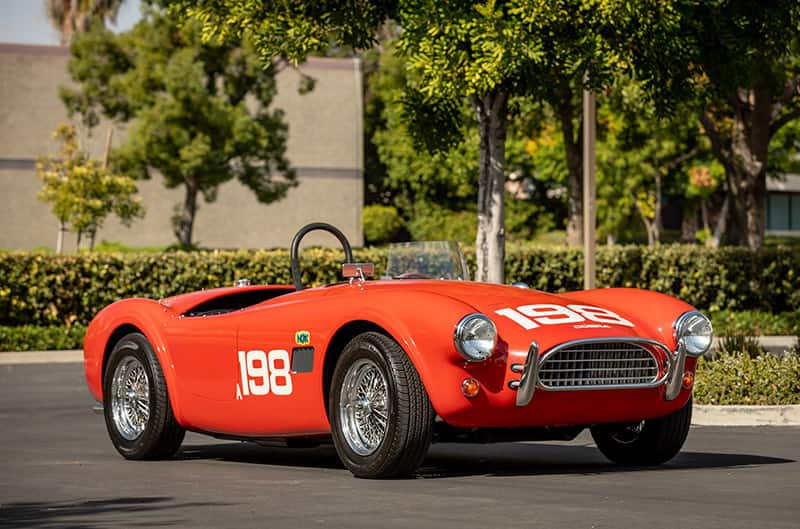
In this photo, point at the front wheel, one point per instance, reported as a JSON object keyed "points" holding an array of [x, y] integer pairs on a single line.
{"points": [[648, 442], [381, 416], [136, 404]]}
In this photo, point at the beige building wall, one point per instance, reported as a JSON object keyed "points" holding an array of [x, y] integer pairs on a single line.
{"points": [[324, 146]]}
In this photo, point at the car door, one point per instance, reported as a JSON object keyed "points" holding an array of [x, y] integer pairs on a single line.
{"points": [[279, 359]]}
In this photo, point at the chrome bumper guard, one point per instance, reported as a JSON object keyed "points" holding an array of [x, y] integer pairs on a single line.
{"points": [[528, 382]]}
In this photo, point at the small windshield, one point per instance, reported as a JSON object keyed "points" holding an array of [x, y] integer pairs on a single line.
{"points": [[426, 260]]}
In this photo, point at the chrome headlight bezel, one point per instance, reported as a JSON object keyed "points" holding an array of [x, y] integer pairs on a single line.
{"points": [[685, 329], [473, 350]]}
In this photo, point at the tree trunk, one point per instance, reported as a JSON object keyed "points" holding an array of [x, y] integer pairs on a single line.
{"points": [[657, 219], [62, 228], [689, 225], [573, 150], [491, 109], [722, 223], [749, 150], [184, 220], [649, 224], [745, 160]]}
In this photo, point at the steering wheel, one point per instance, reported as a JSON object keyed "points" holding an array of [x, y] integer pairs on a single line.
{"points": [[295, 249]]}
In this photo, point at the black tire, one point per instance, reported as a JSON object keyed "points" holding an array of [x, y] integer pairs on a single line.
{"points": [[160, 435], [651, 442], [408, 411]]}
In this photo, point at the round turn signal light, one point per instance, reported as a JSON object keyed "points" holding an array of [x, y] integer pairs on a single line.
{"points": [[470, 387], [688, 380]]}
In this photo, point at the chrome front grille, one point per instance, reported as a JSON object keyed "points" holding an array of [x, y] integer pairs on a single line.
{"points": [[596, 365]]}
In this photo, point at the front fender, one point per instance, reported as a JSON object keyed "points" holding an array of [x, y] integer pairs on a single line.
{"points": [[650, 310], [423, 324]]}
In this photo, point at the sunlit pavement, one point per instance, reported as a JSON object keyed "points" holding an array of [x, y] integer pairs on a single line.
{"points": [[58, 469]]}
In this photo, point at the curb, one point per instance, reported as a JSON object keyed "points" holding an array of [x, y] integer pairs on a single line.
{"points": [[42, 357], [707, 415]]}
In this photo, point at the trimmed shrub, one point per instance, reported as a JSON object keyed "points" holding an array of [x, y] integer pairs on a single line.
{"points": [[755, 323], [32, 338], [43, 289], [739, 379]]}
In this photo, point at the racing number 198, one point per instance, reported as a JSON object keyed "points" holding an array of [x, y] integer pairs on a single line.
{"points": [[261, 372]]}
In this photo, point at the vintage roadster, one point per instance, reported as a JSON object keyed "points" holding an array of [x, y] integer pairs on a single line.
{"points": [[385, 367]]}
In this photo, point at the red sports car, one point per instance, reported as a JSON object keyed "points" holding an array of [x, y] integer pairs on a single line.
{"points": [[385, 367]]}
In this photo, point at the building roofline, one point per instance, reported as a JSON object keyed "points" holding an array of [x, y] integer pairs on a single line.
{"points": [[11, 48], [312, 63], [787, 183]]}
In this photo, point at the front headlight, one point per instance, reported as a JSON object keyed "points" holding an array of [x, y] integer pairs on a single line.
{"points": [[695, 330], [475, 337]]}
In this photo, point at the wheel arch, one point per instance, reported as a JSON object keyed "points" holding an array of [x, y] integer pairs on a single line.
{"points": [[336, 345], [116, 335], [422, 325]]}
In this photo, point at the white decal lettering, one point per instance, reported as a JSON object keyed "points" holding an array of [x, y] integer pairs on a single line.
{"points": [[532, 316], [261, 373]]}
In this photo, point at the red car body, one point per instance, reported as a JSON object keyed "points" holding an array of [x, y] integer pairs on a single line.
{"points": [[199, 354], [257, 362]]}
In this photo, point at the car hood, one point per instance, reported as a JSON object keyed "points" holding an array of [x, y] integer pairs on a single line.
{"points": [[517, 312]]}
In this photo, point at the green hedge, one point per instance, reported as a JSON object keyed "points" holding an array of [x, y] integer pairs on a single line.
{"points": [[43, 289], [756, 323], [740, 379], [33, 338]]}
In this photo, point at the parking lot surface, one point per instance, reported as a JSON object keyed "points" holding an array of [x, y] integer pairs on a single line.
{"points": [[58, 469]]}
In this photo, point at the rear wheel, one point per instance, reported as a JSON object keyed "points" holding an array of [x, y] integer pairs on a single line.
{"points": [[648, 442], [136, 403], [380, 413]]}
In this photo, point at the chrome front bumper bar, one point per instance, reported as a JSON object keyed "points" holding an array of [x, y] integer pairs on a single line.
{"points": [[528, 382]]}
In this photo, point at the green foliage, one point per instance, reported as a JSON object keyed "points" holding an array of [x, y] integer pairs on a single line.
{"points": [[81, 191], [293, 29], [740, 379], [428, 188], [643, 158], [382, 224], [200, 111], [33, 338], [745, 63], [43, 289], [119, 247], [755, 323], [430, 222]]}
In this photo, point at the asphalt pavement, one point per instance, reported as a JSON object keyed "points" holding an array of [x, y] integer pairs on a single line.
{"points": [[58, 469]]}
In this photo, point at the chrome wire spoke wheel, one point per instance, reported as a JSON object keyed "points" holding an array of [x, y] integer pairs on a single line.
{"points": [[363, 407], [130, 398], [628, 433]]}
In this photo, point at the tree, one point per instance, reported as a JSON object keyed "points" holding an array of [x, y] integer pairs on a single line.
{"points": [[76, 16], [83, 192], [643, 157], [747, 63], [200, 111], [417, 181], [484, 52]]}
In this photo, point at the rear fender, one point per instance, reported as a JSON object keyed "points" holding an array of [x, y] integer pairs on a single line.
{"points": [[148, 317]]}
